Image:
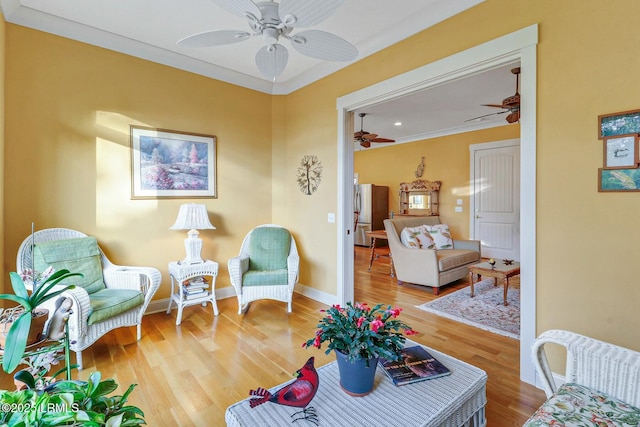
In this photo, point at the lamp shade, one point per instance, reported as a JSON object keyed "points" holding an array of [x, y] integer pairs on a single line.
{"points": [[192, 216]]}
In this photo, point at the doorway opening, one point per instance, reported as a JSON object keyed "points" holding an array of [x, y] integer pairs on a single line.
{"points": [[518, 46]]}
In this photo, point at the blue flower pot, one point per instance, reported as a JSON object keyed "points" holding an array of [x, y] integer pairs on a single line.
{"points": [[356, 378]]}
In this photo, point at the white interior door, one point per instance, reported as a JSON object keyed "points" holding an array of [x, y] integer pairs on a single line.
{"points": [[495, 204]]}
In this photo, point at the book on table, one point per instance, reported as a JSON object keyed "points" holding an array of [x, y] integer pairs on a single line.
{"points": [[196, 282], [416, 364], [194, 295]]}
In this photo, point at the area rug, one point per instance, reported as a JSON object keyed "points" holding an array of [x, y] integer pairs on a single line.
{"points": [[485, 311]]}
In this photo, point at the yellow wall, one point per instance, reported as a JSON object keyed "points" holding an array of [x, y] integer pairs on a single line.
{"points": [[67, 126], [3, 273], [68, 106], [446, 160]]}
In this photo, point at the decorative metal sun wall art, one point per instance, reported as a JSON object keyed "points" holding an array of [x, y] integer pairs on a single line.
{"points": [[309, 174]]}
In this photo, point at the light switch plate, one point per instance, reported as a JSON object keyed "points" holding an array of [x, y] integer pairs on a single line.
{"points": [[459, 201], [458, 208]]}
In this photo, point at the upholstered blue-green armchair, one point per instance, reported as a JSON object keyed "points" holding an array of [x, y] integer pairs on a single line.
{"points": [[107, 297], [267, 266]]}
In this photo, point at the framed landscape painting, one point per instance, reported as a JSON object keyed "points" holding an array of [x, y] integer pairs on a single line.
{"points": [[621, 123], [172, 164]]}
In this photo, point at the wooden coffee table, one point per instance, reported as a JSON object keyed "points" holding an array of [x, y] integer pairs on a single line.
{"points": [[499, 271]]}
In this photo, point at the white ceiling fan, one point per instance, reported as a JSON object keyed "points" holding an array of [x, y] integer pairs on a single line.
{"points": [[273, 20]]}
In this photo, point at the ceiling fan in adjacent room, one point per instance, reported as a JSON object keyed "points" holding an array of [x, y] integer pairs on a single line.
{"points": [[365, 138], [273, 20], [510, 104]]}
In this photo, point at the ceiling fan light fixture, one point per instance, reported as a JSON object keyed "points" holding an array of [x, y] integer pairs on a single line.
{"points": [[271, 60], [270, 35]]}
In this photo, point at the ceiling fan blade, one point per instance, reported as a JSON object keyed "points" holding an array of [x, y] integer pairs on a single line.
{"points": [[359, 134], [495, 105], [486, 115], [365, 144], [214, 38], [272, 60], [322, 45], [382, 140], [305, 13], [239, 7], [369, 135]]}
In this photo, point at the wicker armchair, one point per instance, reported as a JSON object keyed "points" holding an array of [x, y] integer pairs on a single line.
{"points": [[81, 334], [252, 281], [602, 380]]}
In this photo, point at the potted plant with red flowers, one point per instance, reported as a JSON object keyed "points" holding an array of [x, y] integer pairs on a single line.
{"points": [[359, 335]]}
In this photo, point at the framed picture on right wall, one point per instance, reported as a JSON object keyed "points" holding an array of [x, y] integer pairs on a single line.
{"points": [[610, 180], [621, 151], [618, 123]]}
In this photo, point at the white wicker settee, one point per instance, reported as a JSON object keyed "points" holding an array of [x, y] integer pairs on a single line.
{"points": [[81, 334], [602, 383]]}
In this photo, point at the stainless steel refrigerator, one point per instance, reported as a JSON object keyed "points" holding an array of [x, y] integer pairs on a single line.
{"points": [[372, 204]]}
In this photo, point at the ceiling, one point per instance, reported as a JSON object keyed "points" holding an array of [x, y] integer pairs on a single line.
{"points": [[450, 108], [150, 29]]}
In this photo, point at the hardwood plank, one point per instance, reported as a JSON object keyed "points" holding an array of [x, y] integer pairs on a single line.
{"points": [[188, 375]]}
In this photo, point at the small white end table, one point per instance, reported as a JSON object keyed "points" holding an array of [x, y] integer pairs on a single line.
{"points": [[180, 272]]}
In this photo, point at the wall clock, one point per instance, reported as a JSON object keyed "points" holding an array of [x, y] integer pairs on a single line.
{"points": [[309, 174]]}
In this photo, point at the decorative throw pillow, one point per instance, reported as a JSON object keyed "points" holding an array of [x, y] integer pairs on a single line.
{"points": [[78, 255], [440, 235], [416, 237]]}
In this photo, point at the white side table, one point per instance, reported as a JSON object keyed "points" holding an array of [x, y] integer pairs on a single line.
{"points": [[179, 273]]}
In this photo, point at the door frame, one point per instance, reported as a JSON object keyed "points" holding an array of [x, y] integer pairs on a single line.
{"points": [[517, 46], [473, 148]]}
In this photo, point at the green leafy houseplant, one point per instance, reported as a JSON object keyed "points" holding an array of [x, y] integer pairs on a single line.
{"points": [[361, 332], [16, 342], [70, 403], [36, 375]]}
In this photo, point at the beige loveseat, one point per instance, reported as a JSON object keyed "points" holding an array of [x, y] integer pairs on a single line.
{"points": [[429, 267]]}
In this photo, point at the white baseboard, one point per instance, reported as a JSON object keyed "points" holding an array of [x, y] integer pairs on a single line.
{"points": [[315, 294]]}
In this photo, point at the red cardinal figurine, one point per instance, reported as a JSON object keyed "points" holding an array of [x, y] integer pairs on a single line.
{"points": [[298, 393]]}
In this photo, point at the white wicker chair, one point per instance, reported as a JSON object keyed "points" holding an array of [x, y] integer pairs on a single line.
{"points": [[240, 264], [82, 335], [592, 363]]}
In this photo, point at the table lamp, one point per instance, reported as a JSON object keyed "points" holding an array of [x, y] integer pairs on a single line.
{"points": [[192, 217]]}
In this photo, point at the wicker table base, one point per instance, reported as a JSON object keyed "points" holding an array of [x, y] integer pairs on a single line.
{"points": [[457, 400]]}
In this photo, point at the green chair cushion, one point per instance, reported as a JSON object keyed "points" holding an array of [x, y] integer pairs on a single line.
{"points": [[111, 302], [79, 255], [269, 248], [265, 278]]}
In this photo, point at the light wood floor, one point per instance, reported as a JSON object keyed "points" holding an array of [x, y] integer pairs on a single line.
{"points": [[187, 375]]}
